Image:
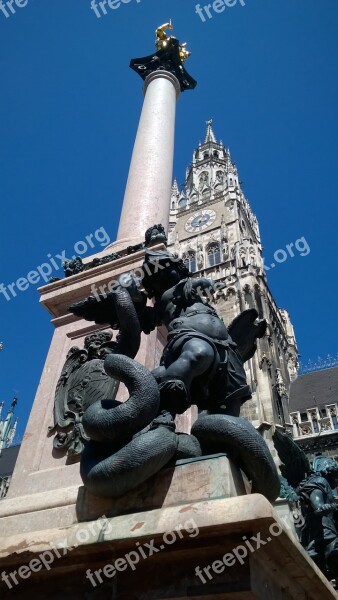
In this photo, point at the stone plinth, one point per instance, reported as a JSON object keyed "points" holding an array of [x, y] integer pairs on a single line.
{"points": [[196, 479], [159, 551]]}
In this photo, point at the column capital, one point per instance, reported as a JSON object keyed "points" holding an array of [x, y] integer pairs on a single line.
{"points": [[161, 74], [167, 60]]}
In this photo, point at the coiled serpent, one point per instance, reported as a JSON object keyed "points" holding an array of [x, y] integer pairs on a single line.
{"points": [[131, 441]]}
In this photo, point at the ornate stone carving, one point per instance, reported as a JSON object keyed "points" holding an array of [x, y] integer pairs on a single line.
{"points": [[265, 361], [71, 267], [83, 381], [305, 429], [280, 385]]}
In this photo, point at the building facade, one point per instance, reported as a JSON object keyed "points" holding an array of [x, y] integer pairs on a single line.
{"points": [[214, 230], [314, 412]]}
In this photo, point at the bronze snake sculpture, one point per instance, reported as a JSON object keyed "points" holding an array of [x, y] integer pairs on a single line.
{"points": [[131, 441]]}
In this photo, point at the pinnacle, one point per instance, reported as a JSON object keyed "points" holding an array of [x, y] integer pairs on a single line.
{"points": [[210, 136]]}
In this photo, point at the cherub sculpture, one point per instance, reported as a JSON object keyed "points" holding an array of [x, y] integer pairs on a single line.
{"points": [[202, 364]]}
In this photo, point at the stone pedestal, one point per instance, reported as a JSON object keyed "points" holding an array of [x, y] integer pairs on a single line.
{"points": [[199, 543]]}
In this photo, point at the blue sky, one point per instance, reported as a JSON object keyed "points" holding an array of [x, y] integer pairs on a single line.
{"points": [[267, 75]]}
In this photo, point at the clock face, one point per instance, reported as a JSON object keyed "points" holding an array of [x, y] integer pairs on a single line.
{"points": [[200, 221]]}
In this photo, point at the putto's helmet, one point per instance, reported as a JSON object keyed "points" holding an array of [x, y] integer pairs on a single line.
{"points": [[324, 465]]}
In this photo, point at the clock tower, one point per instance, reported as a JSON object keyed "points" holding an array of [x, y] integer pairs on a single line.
{"points": [[213, 229]]}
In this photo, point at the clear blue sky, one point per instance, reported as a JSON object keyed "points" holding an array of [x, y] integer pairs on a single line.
{"points": [[267, 74]]}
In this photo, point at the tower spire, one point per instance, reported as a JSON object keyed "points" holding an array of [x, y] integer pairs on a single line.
{"points": [[7, 429], [210, 136]]}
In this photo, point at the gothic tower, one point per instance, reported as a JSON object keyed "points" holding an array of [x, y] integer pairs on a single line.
{"points": [[213, 228]]}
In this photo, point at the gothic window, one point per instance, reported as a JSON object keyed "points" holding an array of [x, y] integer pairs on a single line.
{"points": [[214, 254], [182, 203], [173, 205], [248, 297], [206, 155], [216, 154], [219, 177], [231, 181], [189, 259]]}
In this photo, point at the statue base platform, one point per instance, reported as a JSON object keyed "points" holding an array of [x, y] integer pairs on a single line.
{"points": [[188, 542]]}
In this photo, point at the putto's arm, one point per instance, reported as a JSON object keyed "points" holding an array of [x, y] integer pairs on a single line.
{"points": [[149, 320], [318, 504]]}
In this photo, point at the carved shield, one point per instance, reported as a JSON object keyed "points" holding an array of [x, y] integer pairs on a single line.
{"points": [[83, 381]]}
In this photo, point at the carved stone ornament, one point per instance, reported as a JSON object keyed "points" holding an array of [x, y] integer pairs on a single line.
{"points": [[83, 381], [280, 385]]}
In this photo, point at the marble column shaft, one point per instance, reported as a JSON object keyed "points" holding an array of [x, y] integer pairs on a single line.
{"points": [[148, 190]]}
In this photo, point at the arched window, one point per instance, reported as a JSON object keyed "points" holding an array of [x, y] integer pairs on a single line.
{"points": [[182, 203], [215, 154], [189, 259], [206, 155], [173, 205], [214, 254]]}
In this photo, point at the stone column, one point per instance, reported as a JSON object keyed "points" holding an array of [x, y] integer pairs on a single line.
{"points": [[147, 196]]}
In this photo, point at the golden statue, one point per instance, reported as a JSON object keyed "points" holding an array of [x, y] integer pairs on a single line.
{"points": [[161, 36], [184, 53], [162, 40]]}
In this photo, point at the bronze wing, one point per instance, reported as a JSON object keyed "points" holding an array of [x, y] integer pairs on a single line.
{"points": [[245, 330]]}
